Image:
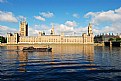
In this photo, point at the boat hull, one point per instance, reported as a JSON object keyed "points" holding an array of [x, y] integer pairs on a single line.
{"points": [[32, 49]]}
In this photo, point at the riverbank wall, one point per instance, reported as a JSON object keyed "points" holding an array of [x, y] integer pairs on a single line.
{"points": [[115, 44], [4, 44]]}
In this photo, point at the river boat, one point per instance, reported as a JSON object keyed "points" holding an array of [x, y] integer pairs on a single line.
{"points": [[48, 49]]}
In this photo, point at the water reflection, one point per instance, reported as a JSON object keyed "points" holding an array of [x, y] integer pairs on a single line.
{"points": [[61, 55], [22, 61], [63, 63]]}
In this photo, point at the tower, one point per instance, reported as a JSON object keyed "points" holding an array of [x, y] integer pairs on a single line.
{"points": [[90, 29], [23, 28], [52, 30]]}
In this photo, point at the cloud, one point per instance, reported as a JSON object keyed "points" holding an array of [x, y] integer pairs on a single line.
{"points": [[81, 30], [7, 17], [105, 16], [5, 29], [47, 14], [114, 28], [71, 23], [41, 27], [21, 18], [44, 15], [59, 28], [108, 21], [34, 30], [39, 18], [76, 15], [68, 27], [70, 31]]}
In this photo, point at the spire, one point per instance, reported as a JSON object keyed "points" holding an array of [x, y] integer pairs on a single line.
{"points": [[52, 25], [89, 29], [89, 24], [52, 30]]}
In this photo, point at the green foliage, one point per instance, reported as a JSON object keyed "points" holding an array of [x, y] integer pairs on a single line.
{"points": [[3, 39], [118, 39], [111, 39]]}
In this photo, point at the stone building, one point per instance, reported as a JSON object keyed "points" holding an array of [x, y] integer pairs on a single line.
{"points": [[12, 38], [105, 37], [23, 38], [23, 28]]}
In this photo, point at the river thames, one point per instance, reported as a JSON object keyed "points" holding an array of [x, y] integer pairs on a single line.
{"points": [[64, 63]]}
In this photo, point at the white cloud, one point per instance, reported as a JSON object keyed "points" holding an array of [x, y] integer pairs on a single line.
{"points": [[7, 17], [105, 16], [21, 18], [44, 15], [5, 29], [71, 23], [76, 15], [34, 30], [68, 27], [41, 27], [67, 30], [81, 30], [114, 28], [47, 14], [108, 21], [39, 18]]}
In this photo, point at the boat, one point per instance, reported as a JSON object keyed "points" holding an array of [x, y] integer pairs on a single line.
{"points": [[32, 49]]}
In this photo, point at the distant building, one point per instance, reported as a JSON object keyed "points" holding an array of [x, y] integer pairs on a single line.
{"points": [[12, 38], [105, 37], [90, 29], [23, 28], [48, 39], [3, 39], [52, 30], [120, 35]]}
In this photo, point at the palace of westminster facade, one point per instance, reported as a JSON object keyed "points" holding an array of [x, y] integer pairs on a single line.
{"points": [[23, 38]]}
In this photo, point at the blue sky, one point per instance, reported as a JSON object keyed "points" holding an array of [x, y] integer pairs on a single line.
{"points": [[68, 16]]}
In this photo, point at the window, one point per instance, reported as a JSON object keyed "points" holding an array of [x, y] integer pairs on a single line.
{"points": [[22, 29]]}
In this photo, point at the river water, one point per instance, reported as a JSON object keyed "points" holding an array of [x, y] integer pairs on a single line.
{"points": [[64, 63]]}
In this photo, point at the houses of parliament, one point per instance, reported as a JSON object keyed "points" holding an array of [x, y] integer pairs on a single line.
{"points": [[23, 38]]}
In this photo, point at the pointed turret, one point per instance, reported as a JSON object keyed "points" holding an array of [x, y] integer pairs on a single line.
{"points": [[90, 29], [52, 30]]}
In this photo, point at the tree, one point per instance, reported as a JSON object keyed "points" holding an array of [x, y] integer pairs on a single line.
{"points": [[111, 39], [118, 39], [3, 39]]}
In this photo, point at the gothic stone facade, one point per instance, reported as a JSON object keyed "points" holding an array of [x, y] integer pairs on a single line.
{"points": [[52, 38]]}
